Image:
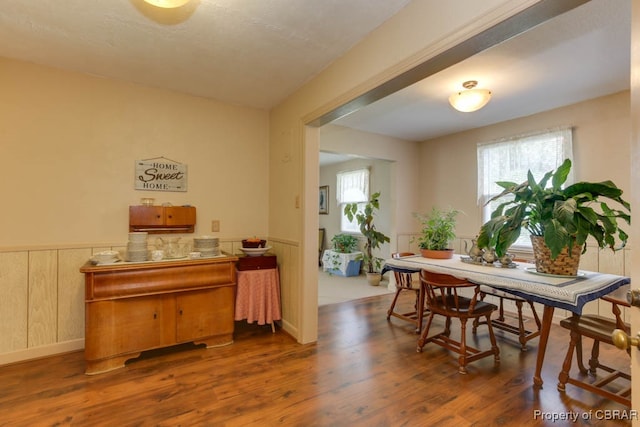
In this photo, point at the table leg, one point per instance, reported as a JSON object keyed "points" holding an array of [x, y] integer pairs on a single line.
{"points": [[547, 317]]}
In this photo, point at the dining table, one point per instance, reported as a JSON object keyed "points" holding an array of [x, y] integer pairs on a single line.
{"points": [[521, 279]]}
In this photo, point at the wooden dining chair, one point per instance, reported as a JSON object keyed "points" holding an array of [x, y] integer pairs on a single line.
{"points": [[443, 296], [500, 322], [599, 329], [406, 281]]}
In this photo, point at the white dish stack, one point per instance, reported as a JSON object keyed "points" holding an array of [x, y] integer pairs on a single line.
{"points": [[137, 247], [207, 246]]}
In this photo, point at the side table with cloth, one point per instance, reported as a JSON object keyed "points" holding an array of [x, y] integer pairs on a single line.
{"points": [[569, 293], [258, 296]]}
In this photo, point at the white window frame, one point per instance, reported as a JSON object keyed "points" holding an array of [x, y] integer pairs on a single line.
{"points": [[509, 159], [352, 187]]}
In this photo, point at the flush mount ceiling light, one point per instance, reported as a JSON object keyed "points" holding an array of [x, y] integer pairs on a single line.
{"points": [[167, 4], [470, 99]]}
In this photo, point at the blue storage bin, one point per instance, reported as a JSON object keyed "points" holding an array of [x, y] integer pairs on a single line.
{"points": [[353, 269]]}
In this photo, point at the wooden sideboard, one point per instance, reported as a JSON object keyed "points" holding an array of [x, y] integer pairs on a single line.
{"points": [[133, 307]]}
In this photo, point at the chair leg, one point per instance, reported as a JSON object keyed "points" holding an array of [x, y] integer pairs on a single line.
{"points": [[579, 356], [494, 343], [563, 377], [462, 359], [595, 355], [447, 327], [535, 315], [522, 337], [393, 303], [501, 310], [425, 333], [419, 309]]}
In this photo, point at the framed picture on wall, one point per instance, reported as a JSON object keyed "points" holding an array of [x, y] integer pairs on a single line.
{"points": [[324, 200]]}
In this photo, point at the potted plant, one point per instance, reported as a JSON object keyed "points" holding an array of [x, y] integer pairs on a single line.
{"points": [[374, 238], [344, 243], [336, 261], [438, 230], [559, 219]]}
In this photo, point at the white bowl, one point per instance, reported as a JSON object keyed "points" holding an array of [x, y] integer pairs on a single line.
{"points": [[106, 256], [255, 251]]}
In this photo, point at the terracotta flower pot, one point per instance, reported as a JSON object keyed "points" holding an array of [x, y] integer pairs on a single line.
{"points": [[437, 254], [374, 279]]}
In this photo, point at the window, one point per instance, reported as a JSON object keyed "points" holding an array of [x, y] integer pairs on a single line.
{"points": [[510, 159], [352, 187]]}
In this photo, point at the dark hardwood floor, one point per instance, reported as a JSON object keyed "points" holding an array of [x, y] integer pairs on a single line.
{"points": [[363, 371]]}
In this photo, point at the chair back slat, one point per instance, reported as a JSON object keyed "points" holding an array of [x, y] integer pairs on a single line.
{"points": [[442, 290], [403, 280]]}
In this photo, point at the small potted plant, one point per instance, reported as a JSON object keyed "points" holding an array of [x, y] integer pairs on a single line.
{"points": [[374, 238], [559, 219], [438, 230], [344, 243], [336, 261]]}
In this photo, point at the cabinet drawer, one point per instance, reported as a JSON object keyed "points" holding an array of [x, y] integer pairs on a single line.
{"points": [[104, 284]]}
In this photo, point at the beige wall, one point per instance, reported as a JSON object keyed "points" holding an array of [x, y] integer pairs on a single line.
{"points": [[398, 197], [69, 142], [420, 31], [601, 147]]}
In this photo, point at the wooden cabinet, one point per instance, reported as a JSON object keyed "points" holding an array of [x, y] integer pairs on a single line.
{"points": [[162, 219], [133, 307]]}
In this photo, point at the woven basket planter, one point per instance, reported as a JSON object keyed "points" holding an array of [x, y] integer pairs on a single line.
{"points": [[563, 265]]}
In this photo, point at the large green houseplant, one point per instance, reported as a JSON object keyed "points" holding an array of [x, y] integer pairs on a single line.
{"points": [[374, 238], [438, 230], [563, 218]]}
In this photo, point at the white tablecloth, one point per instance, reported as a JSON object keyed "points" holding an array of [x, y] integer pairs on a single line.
{"points": [[570, 293]]}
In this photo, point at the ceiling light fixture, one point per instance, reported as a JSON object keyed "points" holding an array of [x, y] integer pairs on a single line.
{"points": [[470, 99], [167, 4]]}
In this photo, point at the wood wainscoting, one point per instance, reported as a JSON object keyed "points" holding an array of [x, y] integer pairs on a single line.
{"points": [[42, 295]]}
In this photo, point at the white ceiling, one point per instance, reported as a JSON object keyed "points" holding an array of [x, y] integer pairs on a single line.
{"points": [[256, 52], [243, 52], [580, 55]]}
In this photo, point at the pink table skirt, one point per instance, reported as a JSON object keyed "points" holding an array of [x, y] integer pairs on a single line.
{"points": [[258, 296]]}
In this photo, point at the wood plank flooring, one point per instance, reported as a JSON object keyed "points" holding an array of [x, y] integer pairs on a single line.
{"points": [[363, 371]]}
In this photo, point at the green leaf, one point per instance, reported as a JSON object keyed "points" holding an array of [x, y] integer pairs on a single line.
{"points": [[561, 174]]}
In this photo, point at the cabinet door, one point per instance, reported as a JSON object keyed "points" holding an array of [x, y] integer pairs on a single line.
{"points": [[146, 216], [180, 216], [129, 325], [205, 313]]}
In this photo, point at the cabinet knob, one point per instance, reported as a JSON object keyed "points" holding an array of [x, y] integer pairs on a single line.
{"points": [[180, 312], [155, 315]]}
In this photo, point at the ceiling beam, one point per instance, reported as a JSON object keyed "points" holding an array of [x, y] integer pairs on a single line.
{"points": [[505, 30]]}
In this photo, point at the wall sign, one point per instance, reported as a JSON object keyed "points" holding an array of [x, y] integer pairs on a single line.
{"points": [[160, 174]]}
